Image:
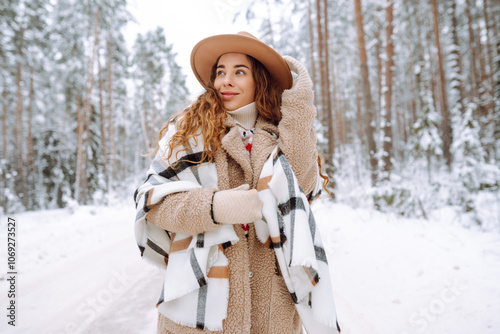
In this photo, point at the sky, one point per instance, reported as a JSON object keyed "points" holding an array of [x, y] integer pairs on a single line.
{"points": [[186, 23]]}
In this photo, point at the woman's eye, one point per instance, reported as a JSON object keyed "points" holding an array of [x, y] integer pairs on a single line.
{"points": [[219, 73], [240, 72]]}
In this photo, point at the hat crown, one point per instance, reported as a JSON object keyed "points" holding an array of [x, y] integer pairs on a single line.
{"points": [[246, 34]]}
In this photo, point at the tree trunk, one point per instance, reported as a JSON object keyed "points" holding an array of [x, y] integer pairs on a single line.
{"points": [[378, 52], [111, 125], [20, 183], [153, 130], [446, 131], [430, 85], [18, 137], [30, 153], [81, 117], [419, 72], [474, 92], [144, 116], [339, 113], [123, 158], [457, 82], [489, 52], [389, 66], [103, 121], [4, 121], [323, 111], [367, 96], [496, 38], [403, 119], [311, 42], [413, 108], [495, 73], [326, 71], [359, 115], [484, 91], [80, 120]]}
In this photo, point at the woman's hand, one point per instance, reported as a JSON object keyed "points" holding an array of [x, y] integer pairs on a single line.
{"points": [[237, 206], [303, 80]]}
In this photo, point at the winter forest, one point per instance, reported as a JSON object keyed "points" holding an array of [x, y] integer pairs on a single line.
{"points": [[407, 94]]}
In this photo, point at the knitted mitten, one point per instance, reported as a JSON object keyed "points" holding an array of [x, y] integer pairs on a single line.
{"points": [[303, 80], [237, 206]]}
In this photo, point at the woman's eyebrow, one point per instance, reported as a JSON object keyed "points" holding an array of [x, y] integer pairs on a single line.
{"points": [[235, 66]]}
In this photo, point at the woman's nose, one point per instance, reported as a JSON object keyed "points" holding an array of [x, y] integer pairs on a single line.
{"points": [[228, 80]]}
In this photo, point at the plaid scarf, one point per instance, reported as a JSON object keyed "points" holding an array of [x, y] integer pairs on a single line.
{"points": [[196, 288], [290, 229]]}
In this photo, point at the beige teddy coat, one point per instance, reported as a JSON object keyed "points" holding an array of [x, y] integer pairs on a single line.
{"points": [[259, 302]]}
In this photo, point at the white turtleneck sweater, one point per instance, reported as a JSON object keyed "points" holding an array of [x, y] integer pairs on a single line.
{"points": [[245, 116]]}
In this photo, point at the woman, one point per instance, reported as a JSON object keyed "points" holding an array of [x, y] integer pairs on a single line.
{"points": [[209, 211]]}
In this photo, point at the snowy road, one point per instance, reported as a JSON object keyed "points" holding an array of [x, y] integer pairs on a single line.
{"points": [[80, 272], [98, 293], [101, 286]]}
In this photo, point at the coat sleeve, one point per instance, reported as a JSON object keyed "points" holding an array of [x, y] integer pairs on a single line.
{"points": [[184, 212], [297, 136]]}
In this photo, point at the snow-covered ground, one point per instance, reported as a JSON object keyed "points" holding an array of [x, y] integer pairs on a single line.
{"points": [[80, 272], [401, 276]]}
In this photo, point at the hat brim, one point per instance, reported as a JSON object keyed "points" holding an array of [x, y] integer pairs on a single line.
{"points": [[208, 51]]}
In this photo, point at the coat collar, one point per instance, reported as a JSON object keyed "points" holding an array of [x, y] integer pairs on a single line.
{"points": [[235, 148], [265, 139]]}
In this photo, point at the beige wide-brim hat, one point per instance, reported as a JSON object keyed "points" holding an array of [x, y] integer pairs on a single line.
{"points": [[208, 51]]}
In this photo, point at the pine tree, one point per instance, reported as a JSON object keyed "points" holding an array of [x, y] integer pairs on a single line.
{"points": [[469, 161], [160, 85], [177, 92]]}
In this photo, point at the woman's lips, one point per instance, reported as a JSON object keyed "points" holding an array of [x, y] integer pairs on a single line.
{"points": [[228, 95]]}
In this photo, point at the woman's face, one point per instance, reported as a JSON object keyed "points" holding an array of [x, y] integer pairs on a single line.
{"points": [[234, 80]]}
